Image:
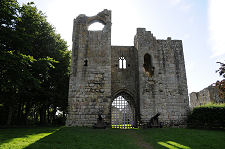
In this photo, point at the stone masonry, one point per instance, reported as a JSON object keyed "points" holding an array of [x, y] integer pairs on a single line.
{"points": [[153, 80], [208, 94]]}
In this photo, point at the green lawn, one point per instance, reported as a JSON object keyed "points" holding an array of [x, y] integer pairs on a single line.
{"points": [[74, 137], [88, 138], [179, 138]]}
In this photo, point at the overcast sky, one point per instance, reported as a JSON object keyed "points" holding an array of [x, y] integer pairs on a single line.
{"points": [[200, 24]]}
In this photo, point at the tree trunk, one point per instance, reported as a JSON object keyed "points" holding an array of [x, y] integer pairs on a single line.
{"points": [[48, 115], [27, 112], [9, 120], [42, 115]]}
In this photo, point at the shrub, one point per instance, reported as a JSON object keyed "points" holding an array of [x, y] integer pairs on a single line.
{"points": [[59, 120], [207, 116]]}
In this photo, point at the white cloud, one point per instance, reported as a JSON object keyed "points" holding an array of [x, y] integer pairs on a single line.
{"points": [[185, 7], [174, 2], [217, 27], [186, 36], [181, 5]]}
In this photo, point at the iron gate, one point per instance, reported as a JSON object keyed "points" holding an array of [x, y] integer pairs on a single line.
{"points": [[122, 114]]}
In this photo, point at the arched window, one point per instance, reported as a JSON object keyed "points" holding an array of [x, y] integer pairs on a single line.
{"points": [[149, 69], [96, 26], [122, 63]]}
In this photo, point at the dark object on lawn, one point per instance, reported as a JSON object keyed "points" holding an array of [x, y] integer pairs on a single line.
{"points": [[154, 122], [100, 123]]}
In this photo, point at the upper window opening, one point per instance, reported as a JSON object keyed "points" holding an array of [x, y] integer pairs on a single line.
{"points": [[149, 69], [85, 62], [96, 26], [122, 63]]}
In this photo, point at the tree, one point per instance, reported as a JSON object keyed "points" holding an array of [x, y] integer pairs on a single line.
{"points": [[34, 66], [8, 19], [221, 84], [13, 79]]}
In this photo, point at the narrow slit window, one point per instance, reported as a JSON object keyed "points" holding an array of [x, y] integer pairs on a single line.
{"points": [[85, 62], [122, 63]]}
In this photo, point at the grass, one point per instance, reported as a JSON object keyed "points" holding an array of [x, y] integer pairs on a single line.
{"points": [[123, 126], [180, 138], [74, 137], [88, 138], [22, 137]]}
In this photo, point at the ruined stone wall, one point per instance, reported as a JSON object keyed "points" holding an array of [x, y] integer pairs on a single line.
{"points": [[90, 79], [175, 101], [208, 94], [145, 43], [154, 79], [166, 90], [125, 80], [214, 94]]}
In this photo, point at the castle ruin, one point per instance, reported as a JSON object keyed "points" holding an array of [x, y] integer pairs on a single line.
{"points": [[128, 84], [209, 94]]}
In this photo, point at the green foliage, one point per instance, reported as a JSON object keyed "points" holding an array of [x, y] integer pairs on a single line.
{"points": [[207, 116], [212, 105], [221, 84], [221, 70], [34, 66]]}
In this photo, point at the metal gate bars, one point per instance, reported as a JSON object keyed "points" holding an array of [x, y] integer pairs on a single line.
{"points": [[122, 115]]}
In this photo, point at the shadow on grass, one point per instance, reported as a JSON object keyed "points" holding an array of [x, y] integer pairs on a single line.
{"points": [[86, 138], [22, 137]]}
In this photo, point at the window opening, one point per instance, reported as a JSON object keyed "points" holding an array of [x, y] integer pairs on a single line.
{"points": [[85, 62], [122, 63], [96, 26], [149, 69], [122, 115]]}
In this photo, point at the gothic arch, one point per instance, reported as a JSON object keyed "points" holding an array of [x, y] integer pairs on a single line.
{"points": [[96, 26], [123, 109], [124, 92], [103, 17], [94, 20]]}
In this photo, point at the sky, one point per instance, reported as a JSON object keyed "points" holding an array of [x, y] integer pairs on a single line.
{"points": [[200, 24]]}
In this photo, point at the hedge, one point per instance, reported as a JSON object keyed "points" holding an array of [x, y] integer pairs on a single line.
{"points": [[207, 116]]}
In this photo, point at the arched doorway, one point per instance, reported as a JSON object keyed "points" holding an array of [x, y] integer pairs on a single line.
{"points": [[122, 112]]}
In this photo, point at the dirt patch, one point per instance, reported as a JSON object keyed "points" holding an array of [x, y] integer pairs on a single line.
{"points": [[139, 139]]}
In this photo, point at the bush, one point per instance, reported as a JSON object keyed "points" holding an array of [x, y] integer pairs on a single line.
{"points": [[59, 120], [207, 116]]}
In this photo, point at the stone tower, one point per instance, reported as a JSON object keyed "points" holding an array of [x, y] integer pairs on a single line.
{"points": [[162, 78], [90, 80], [126, 84]]}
